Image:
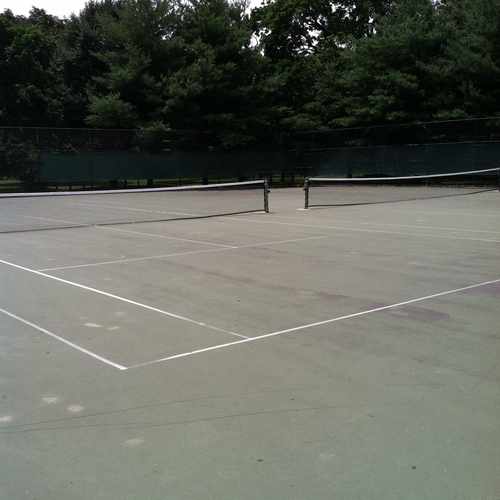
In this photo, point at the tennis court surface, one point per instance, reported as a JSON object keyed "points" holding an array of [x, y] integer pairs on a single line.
{"points": [[345, 352]]}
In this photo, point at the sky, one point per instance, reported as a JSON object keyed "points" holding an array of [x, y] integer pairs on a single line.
{"points": [[59, 8]]}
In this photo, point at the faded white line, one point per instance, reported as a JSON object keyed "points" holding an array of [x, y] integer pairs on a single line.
{"points": [[122, 299], [318, 323], [51, 219], [282, 242], [178, 254], [420, 226], [63, 340], [11, 223], [362, 230], [164, 236], [413, 226], [447, 212], [131, 259]]}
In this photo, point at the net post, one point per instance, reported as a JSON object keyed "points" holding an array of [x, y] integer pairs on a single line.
{"points": [[498, 179], [266, 195], [306, 193]]}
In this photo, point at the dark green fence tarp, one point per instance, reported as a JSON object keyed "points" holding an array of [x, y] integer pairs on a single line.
{"points": [[402, 160], [180, 166], [106, 166]]}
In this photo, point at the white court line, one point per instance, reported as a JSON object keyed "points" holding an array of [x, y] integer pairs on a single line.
{"points": [[63, 340], [133, 259], [413, 226], [178, 254], [318, 323], [122, 299], [418, 226], [155, 235], [38, 218], [51, 219], [361, 230], [282, 242], [455, 213]]}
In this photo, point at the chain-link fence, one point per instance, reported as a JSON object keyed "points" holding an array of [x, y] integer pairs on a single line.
{"points": [[51, 158]]}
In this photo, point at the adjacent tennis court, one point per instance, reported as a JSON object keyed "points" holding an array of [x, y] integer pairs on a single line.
{"points": [[336, 352]]}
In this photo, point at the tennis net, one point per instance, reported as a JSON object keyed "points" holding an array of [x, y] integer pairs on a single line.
{"points": [[322, 191], [21, 212]]}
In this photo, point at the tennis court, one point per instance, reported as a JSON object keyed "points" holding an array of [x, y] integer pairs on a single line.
{"points": [[337, 352]]}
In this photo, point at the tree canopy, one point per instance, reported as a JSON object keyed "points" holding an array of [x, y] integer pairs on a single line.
{"points": [[244, 76]]}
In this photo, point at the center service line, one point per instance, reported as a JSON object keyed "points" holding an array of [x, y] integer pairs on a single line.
{"points": [[179, 254]]}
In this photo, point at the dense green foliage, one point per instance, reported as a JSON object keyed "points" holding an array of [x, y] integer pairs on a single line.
{"points": [[243, 76]]}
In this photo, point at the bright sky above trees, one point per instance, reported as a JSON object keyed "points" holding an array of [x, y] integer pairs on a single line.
{"points": [[55, 7]]}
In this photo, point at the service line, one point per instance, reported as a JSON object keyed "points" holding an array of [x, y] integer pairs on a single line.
{"points": [[318, 323], [163, 236], [179, 254]]}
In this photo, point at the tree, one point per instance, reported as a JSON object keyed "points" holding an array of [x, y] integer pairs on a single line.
{"points": [[133, 41], [300, 38], [214, 86], [31, 78], [81, 45], [110, 111], [290, 28], [470, 66], [238, 77], [384, 77]]}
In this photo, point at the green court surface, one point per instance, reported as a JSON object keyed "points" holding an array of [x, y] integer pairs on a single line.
{"points": [[346, 352]]}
